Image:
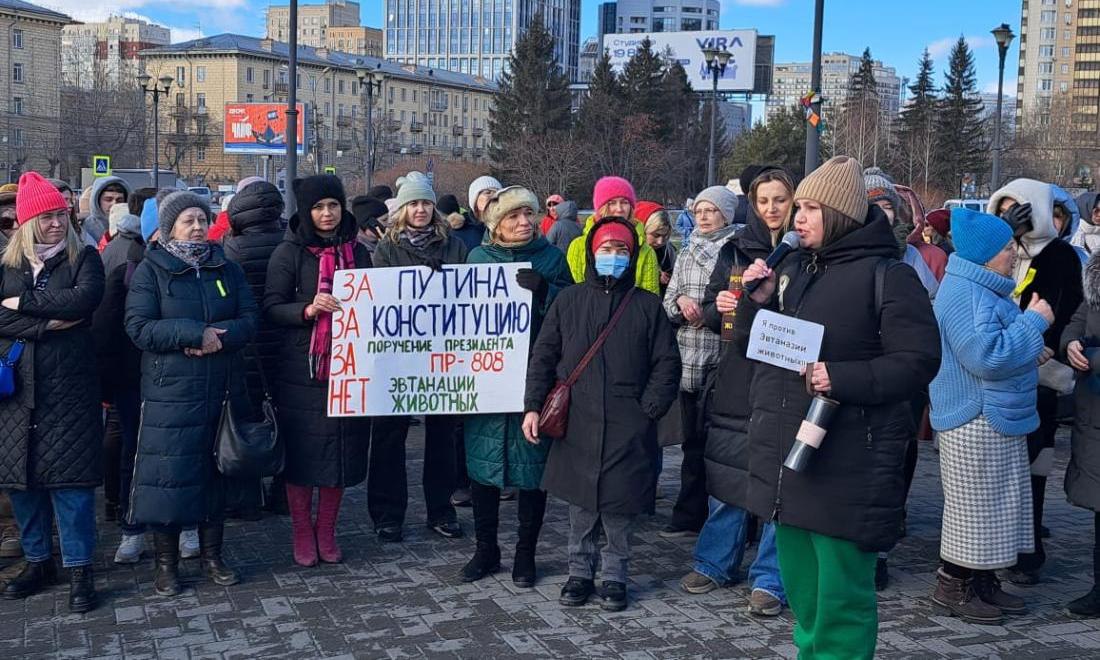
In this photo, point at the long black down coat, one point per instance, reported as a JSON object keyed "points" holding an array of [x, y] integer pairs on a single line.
{"points": [[1082, 481], [51, 430], [255, 220], [169, 305], [853, 488], [119, 359], [320, 451], [726, 408], [607, 461]]}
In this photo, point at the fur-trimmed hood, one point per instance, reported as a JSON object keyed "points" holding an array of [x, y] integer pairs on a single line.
{"points": [[1091, 281]]}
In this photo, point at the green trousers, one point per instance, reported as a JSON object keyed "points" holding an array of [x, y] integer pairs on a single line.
{"points": [[830, 585]]}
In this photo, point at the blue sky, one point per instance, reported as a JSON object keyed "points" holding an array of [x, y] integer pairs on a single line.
{"points": [[895, 30]]}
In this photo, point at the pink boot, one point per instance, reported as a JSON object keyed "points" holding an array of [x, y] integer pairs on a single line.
{"points": [[328, 507], [300, 502]]}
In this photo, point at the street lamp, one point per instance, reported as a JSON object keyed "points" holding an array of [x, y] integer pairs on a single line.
{"points": [[161, 87], [716, 65], [371, 79], [1003, 35]]}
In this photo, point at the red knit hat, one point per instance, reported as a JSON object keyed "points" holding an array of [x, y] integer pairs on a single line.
{"points": [[940, 220], [610, 187], [35, 197], [646, 209], [613, 231]]}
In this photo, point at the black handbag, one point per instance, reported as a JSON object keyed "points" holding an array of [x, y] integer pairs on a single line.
{"points": [[249, 449]]}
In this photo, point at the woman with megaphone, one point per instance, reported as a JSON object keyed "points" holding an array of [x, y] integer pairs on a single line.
{"points": [[844, 503]]}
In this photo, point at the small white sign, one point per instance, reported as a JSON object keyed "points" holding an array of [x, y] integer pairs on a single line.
{"points": [[784, 341]]}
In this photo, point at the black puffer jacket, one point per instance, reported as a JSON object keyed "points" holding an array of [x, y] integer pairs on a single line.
{"points": [[854, 487], [607, 461], [51, 430], [320, 451], [255, 219], [119, 359], [726, 407], [169, 306]]}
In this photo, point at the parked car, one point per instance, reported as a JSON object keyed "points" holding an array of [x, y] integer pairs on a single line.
{"points": [[202, 191], [970, 204]]}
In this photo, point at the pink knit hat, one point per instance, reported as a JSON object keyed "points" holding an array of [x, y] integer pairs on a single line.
{"points": [[35, 197], [610, 187]]}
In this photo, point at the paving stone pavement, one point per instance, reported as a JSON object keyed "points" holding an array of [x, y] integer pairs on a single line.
{"points": [[405, 601]]}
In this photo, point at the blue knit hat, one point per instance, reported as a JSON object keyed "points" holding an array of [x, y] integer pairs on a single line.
{"points": [[149, 224], [978, 237]]}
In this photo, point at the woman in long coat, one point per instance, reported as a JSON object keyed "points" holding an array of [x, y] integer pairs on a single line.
{"points": [[497, 455], [51, 429], [191, 312], [329, 454]]}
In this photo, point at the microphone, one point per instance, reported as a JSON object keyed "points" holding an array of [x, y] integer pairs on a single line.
{"points": [[785, 247]]}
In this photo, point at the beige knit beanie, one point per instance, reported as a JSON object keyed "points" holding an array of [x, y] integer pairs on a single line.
{"points": [[837, 184]]}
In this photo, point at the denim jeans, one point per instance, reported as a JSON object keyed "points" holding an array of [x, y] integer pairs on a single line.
{"points": [[721, 546], [74, 509]]}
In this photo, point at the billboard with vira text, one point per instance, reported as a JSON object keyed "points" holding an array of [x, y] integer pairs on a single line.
{"points": [[687, 49]]}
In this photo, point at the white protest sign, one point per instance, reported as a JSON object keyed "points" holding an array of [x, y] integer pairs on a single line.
{"points": [[784, 341], [413, 341]]}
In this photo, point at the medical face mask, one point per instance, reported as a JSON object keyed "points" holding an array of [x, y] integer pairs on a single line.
{"points": [[612, 265]]}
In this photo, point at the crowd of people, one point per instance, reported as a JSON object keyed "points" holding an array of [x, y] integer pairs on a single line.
{"points": [[130, 319]]}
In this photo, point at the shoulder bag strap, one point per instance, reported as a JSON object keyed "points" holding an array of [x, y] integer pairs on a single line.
{"points": [[583, 364]]}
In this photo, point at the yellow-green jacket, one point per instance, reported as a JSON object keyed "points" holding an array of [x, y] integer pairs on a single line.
{"points": [[647, 272]]}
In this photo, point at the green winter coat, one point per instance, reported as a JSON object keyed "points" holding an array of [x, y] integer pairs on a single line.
{"points": [[497, 454]]}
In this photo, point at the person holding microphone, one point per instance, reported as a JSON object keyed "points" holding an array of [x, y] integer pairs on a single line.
{"points": [[846, 505]]}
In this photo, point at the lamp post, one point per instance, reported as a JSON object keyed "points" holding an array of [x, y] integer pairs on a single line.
{"points": [[372, 81], [716, 65], [161, 87], [292, 111], [1003, 34], [813, 138]]}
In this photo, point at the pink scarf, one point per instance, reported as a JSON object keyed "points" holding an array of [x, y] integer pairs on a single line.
{"points": [[332, 258]]}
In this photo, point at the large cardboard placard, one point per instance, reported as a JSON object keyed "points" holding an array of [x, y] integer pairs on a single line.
{"points": [[413, 341], [784, 341]]}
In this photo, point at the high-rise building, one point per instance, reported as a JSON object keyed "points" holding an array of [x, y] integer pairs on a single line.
{"points": [[590, 53], [30, 119], [314, 21], [1059, 69], [459, 36], [666, 16], [605, 20], [106, 53], [791, 81]]}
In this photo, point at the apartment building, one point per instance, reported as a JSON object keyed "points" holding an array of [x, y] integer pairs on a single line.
{"points": [[638, 16], [791, 81], [106, 52], [314, 21]]}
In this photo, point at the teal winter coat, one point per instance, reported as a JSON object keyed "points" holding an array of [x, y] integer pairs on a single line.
{"points": [[497, 454]]}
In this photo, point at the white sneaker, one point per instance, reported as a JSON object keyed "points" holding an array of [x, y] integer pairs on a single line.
{"points": [[130, 549], [189, 544]]}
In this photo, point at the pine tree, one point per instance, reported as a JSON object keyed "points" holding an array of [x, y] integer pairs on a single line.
{"points": [[532, 96], [781, 141], [960, 141], [642, 81], [916, 130], [858, 129]]}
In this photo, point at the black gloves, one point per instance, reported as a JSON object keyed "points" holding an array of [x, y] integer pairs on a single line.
{"points": [[529, 279], [1018, 216]]}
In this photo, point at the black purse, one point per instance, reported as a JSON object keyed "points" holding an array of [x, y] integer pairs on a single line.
{"points": [[249, 449]]}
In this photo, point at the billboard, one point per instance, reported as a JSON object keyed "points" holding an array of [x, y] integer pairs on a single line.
{"points": [[260, 128], [687, 49]]}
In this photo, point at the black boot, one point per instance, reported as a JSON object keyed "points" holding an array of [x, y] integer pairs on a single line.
{"points": [[35, 576], [210, 542], [1085, 607], [486, 559], [82, 596], [166, 548], [532, 508]]}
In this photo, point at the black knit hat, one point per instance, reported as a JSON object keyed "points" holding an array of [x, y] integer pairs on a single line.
{"points": [[366, 208], [447, 205], [381, 193], [310, 190], [749, 174]]}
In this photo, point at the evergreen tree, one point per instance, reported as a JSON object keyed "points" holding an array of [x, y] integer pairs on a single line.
{"points": [[781, 141], [960, 141], [916, 131], [642, 80], [858, 131], [532, 96]]}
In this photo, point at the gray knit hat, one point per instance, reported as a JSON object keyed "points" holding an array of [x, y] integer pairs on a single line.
{"points": [[720, 196], [413, 188], [171, 207], [879, 187]]}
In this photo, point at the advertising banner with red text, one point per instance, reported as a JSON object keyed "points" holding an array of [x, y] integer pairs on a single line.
{"points": [[413, 341], [260, 128]]}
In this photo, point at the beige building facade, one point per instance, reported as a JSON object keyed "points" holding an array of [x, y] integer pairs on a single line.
{"points": [[356, 40], [105, 53], [417, 111], [314, 21], [30, 77]]}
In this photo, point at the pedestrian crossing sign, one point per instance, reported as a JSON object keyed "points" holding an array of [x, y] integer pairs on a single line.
{"points": [[101, 165], [330, 169]]}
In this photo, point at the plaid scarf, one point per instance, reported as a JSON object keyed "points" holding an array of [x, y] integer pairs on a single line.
{"points": [[332, 258]]}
